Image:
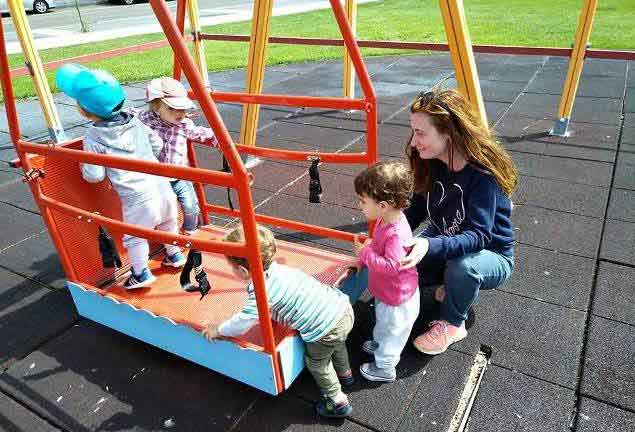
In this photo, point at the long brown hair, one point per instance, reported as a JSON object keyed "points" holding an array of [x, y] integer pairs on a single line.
{"points": [[453, 115]]}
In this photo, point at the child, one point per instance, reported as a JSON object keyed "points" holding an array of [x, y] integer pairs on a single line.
{"points": [[168, 103], [146, 200], [323, 316], [384, 190], [463, 183]]}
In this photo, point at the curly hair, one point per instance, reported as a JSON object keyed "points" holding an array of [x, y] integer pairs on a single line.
{"points": [[391, 182], [452, 114], [266, 242]]}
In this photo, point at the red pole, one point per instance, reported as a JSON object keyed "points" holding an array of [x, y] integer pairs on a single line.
{"points": [[238, 169]]}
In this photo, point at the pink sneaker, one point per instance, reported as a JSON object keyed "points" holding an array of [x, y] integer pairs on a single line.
{"points": [[440, 336]]}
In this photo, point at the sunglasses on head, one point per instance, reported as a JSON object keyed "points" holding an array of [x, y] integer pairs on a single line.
{"points": [[424, 99]]}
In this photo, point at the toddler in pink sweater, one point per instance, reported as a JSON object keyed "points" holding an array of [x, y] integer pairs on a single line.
{"points": [[384, 190]]}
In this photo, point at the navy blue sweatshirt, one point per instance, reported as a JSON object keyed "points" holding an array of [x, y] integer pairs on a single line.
{"points": [[467, 211]]}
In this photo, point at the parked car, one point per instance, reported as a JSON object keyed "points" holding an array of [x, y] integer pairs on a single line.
{"points": [[37, 6]]}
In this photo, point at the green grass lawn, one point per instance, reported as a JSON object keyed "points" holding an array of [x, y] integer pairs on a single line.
{"points": [[497, 22]]}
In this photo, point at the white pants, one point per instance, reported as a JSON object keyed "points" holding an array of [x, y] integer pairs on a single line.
{"points": [[392, 328], [159, 213]]}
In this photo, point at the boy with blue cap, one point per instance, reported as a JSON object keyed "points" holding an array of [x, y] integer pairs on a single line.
{"points": [[146, 200]]}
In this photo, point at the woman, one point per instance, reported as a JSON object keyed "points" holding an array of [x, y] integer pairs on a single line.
{"points": [[463, 183]]}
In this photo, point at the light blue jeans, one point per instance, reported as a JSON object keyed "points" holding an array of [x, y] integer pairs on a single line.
{"points": [[186, 196], [464, 277]]}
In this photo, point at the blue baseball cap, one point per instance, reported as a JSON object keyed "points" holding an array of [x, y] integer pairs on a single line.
{"points": [[96, 91]]}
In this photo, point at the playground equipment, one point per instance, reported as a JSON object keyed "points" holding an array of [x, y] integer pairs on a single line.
{"points": [[76, 213]]}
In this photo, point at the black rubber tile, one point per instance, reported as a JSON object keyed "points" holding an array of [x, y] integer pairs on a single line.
{"points": [[585, 109], [328, 118], [18, 194], [630, 78], [402, 73], [322, 214], [517, 127], [520, 73], [629, 120], [603, 67], [431, 409], [614, 284], [495, 110], [119, 383], [563, 232], [35, 258], [500, 91], [547, 82], [551, 149], [629, 101], [317, 137], [9, 175], [556, 168], [622, 205], [601, 86], [510, 401], [523, 340], [20, 224], [15, 418], [628, 135], [560, 195], [29, 315], [32, 122], [618, 242], [289, 413], [7, 154], [595, 416], [551, 276], [625, 171], [609, 365]]}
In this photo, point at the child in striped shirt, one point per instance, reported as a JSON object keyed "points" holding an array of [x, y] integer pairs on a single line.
{"points": [[168, 102], [321, 314]]}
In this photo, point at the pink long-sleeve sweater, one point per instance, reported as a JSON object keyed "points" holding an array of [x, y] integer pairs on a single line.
{"points": [[386, 281]]}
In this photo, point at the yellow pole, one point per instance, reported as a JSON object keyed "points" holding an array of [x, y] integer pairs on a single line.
{"points": [[199, 51], [576, 62], [34, 64], [260, 27], [349, 71], [462, 54]]}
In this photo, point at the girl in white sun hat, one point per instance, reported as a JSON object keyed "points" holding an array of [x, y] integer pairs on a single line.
{"points": [[167, 116]]}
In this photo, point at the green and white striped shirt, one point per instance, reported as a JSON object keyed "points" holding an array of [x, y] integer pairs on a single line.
{"points": [[296, 300]]}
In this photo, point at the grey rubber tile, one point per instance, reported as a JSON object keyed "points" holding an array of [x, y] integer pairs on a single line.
{"points": [[510, 401], [318, 137], [449, 372], [540, 147], [35, 258], [629, 100], [23, 224], [30, 314], [618, 242], [15, 418], [622, 205], [18, 194], [609, 365], [614, 284], [500, 91], [495, 110], [603, 67], [556, 168], [521, 127], [289, 413], [630, 78], [119, 383], [625, 171], [551, 276], [31, 120], [595, 416], [9, 175], [523, 340], [584, 200], [557, 230]]}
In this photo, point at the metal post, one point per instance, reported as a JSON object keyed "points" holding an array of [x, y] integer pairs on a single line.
{"points": [[34, 64], [198, 51], [585, 23], [260, 27], [349, 71], [462, 55]]}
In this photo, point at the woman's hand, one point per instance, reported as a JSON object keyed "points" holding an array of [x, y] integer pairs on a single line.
{"points": [[419, 250]]}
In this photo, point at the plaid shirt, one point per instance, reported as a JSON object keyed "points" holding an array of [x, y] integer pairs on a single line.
{"points": [[175, 137]]}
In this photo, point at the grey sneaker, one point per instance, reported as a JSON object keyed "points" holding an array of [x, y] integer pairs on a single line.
{"points": [[372, 373], [370, 346]]}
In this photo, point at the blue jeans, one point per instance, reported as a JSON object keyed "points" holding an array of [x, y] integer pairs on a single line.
{"points": [[186, 196], [464, 277]]}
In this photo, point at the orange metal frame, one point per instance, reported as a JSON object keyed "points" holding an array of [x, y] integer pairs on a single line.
{"points": [[239, 179]]}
